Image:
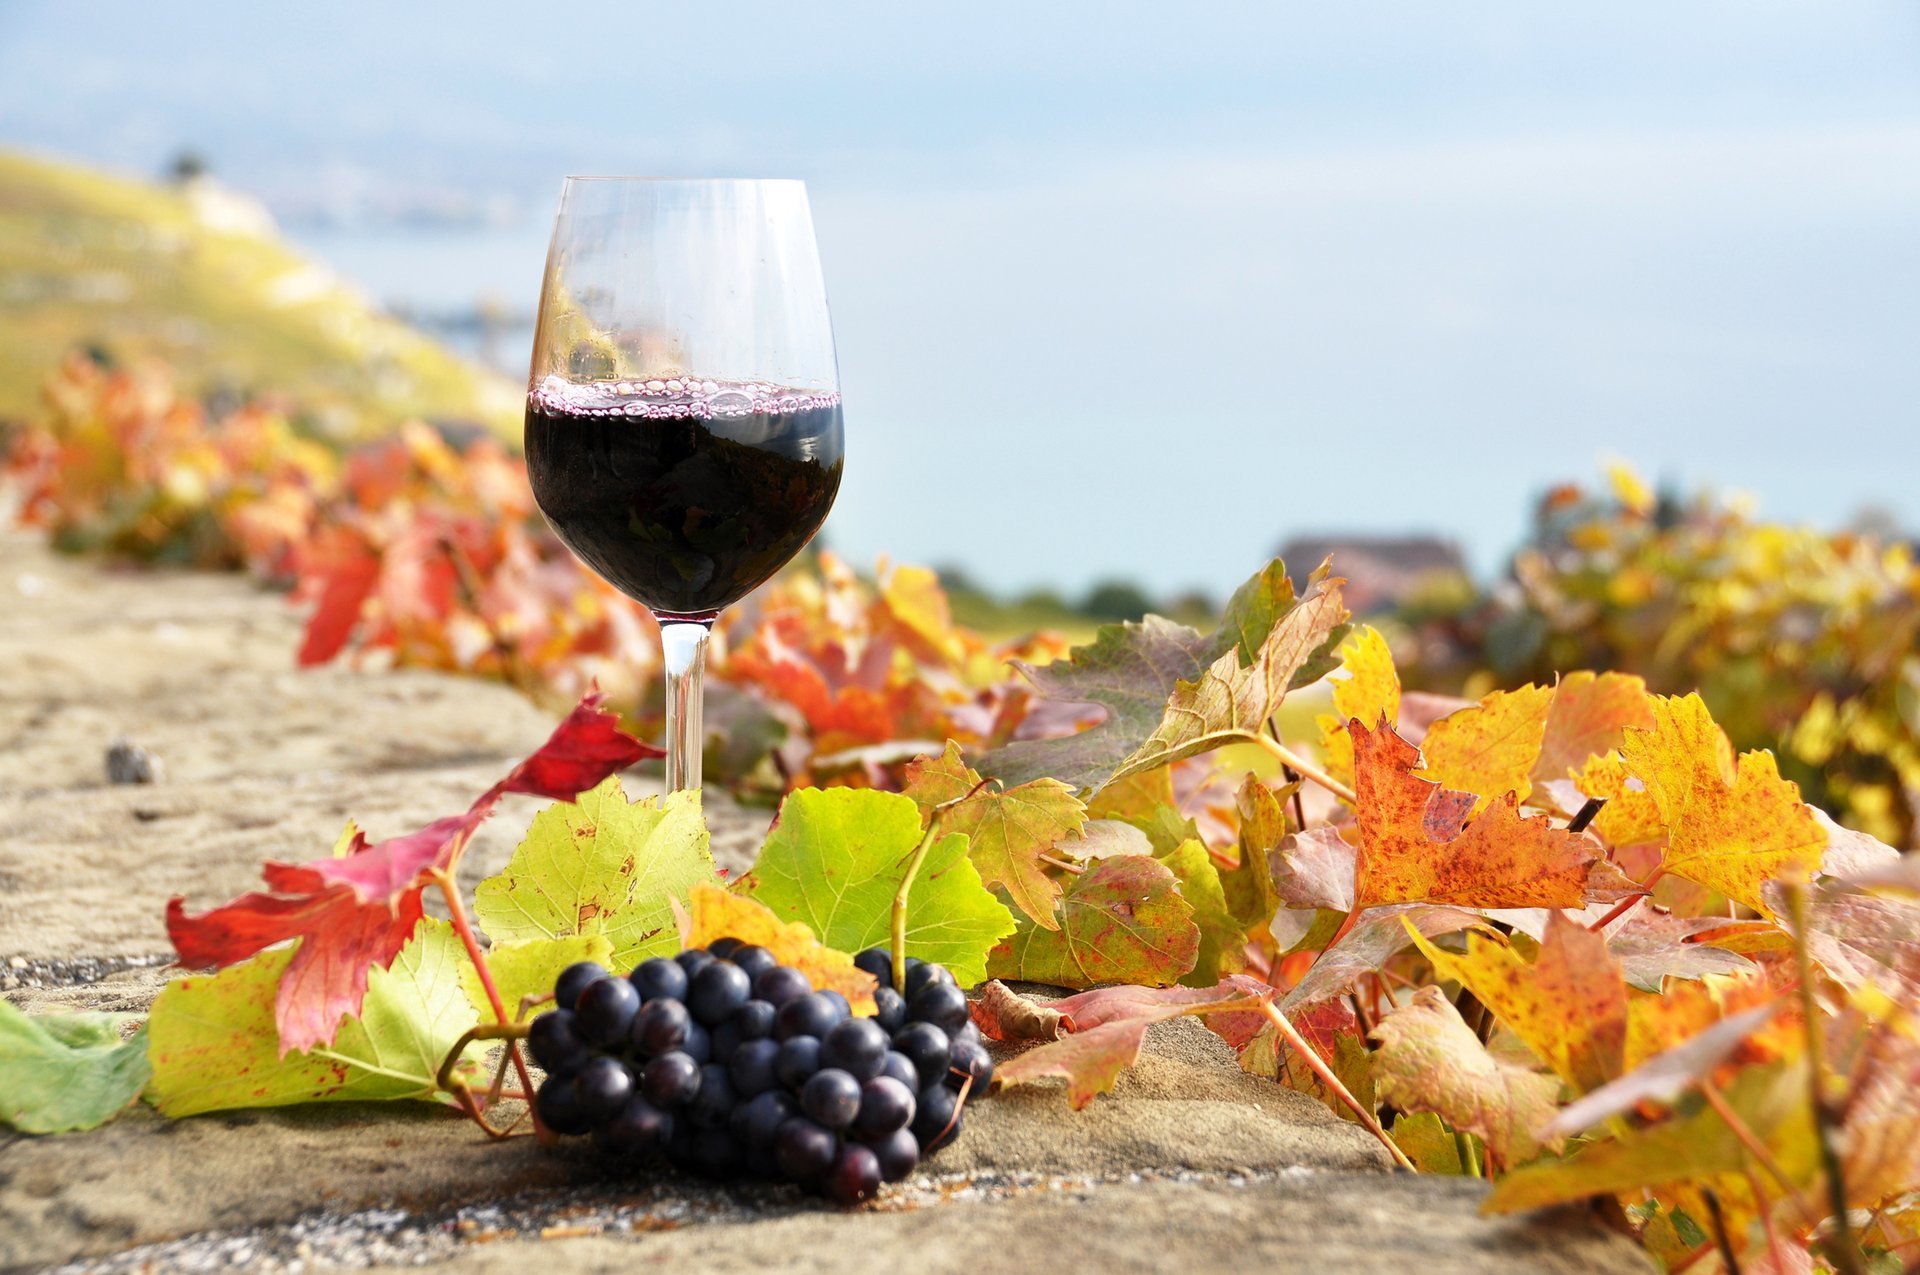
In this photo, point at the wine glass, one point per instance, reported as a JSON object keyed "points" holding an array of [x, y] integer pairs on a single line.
{"points": [[683, 405]]}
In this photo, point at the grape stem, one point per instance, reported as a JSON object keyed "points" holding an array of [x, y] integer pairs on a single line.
{"points": [[457, 913], [1318, 1066], [1300, 765], [898, 947]]}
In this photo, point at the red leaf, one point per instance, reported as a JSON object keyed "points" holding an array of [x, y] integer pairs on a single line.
{"points": [[345, 571], [355, 912]]}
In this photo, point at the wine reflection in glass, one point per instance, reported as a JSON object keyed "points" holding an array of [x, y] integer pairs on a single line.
{"points": [[683, 405]]}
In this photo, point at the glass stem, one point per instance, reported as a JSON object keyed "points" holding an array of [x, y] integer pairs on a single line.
{"points": [[684, 644]]}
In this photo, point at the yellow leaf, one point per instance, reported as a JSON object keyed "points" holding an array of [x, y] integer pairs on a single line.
{"points": [[1490, 748], [1631, 815], [1590, 715], [1731, 826], [1365, 686], [714, 913]]}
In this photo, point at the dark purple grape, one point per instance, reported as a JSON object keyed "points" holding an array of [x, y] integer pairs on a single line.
{"points": [[754, 959], [885, 1105], [603, 1087], [969, 1032], [934, 1109], [942, 1004], [603, 1015], [760, 1163], [573, 980], [557, 1104], [838, 1001], [659, 977], [755, 1122], [693, 960], [671, 1080], [969, 1058], [799, 1057], [722, 948], [831, 1097], [716, 991], [927, 1048], [855, 1175], [714, 1103], [780, 984], [755, 1019], [726, 1038], [751, 1067], [804, 1151], [890, 1010], [660, 1027], [913, 963], [699, 1046], [925, 975], [715, 1154], [555, 1045], [878, 962], [809, 1015], [856, 1046], [641, 1129], [897, 1153], [901, 1068]]}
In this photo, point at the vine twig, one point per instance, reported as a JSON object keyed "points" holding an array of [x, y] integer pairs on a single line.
{"points": [[1751, 1141], [1842, 1249], [1318, 1065], [898, 947], [1300, 765], [457, 912]]}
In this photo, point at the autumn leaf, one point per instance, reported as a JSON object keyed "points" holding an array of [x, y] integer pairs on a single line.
{"points": [[601, 866], [1222, 938], [1417, 844], [1365, 685], [1490, 748], [1430, 1060], [1169, 691], [353, 913], [1569, 1005], [530, 967], [1365, 948], [1249, 885], [212, 1039], [1589, 718], [1123, 920], [714, 913], [60, 1073], [1315, 869], [1664, 1076], [914, 599], [1007, 831], [1731, 826], [1653, 945], [1108, 1027], [834, 860], [1003, 1014], [1428, 1143]]}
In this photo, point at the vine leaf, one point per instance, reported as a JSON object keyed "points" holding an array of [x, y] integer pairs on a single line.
{"points": [[1222, 937], [1123, 920], [1170, 691], [1490, 748], [1430, 1060], [211, 1039], [1666, 1075], [353, 912], [1006, 831], [834, 860], [601, 866], [1590, 716], [1731, 826], [714, 913], [1107, 1028], [1416, 843], [64, 1072], [529, 967], [1004, 1014], [1365, 685]]}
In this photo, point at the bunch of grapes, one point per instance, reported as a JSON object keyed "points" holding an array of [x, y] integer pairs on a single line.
{"points": [[731, 1064]]}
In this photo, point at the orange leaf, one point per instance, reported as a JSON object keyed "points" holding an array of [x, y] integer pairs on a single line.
{"points": [[1730, 827], [1590, 717], [1490, 748], [714, 913], [1416, 844]]}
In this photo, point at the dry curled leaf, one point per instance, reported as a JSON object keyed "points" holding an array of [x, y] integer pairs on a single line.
{"points": [[1003, 1014]]}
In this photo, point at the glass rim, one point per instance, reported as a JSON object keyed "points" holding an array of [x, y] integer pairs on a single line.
{"points": [[687, 181]]}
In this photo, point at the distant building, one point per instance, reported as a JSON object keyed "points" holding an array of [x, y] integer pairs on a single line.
{"points": [[1381, 571]]}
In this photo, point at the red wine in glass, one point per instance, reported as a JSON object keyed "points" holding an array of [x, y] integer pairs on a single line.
{"points": [[684, 500]]}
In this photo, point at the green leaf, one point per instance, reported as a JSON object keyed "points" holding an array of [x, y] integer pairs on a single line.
{"points": [[600, 865], [835, 859], [1428, 1142], [1123, 920], [1221, 937], [62, 1072], [529, 968], [214, 1046], [1251, 896]]}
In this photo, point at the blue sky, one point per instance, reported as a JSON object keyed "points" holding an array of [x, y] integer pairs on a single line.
{"points": [[1140, 289]]}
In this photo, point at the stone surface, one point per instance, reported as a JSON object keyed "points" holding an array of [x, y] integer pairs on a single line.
{"points": [[1188, 1165]]}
